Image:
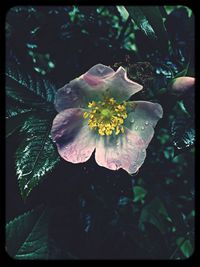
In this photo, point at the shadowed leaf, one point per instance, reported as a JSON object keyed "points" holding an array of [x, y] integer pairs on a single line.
{"points": [[140, 19], [15, 119], [139, 193], [183, 133], [185, 246], [149, 20], [156, 214], [24, 88], [26, 235]]}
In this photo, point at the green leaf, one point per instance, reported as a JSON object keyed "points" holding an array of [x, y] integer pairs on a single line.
{"points": [[185, 246], [21, 96], [14, 119], [33, 91], [169, 152], [27, 236], [191, 215], [14, 111], [36, 155], [170, 9], [123, 12], [150, 21], [156, 214], [154, 16], [182, 106], [182, 73], [140, 19], [139, 193], [183, 132]]}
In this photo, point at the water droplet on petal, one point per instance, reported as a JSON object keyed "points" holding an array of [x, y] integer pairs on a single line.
{"points": [[131, 118], [142, 128], [68, 90], [100, 69], [146, 122], [136, 128]]}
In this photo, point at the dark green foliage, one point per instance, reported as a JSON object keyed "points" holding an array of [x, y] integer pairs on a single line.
{"points": [[182, 127], [139, 193], [150, 21], [15, 119], [156, 214], [36, 155], [27, 235], [14, 111], [30, 91], [90, 212], [183, 133], [139, 17], [185, 246]]}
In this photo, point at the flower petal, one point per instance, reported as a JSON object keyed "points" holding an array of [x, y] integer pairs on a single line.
{"points": [[83, 89], [142, 118], [93, 85], [69, 96], [121, 87], [95, 75], [72, 135], [126, 151], [182, 84], [116, 84]]}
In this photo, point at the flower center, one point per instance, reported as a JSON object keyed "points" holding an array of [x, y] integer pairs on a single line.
{"points": [[106, 116]]}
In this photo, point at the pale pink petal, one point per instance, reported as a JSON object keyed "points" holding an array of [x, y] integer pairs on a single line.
{"points": [[94, 85], [69, 96], [105, 79], [95, 75], [182, 84], [74, 140], [121, 87], [81, 90], [126, 151], [142, 118], [95, 82]]}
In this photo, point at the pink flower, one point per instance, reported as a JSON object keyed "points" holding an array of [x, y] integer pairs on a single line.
{"points": [[182, 84], [95, 114]]}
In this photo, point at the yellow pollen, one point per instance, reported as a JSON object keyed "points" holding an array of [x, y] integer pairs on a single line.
{"points": [[106, 116], [85, 115]]}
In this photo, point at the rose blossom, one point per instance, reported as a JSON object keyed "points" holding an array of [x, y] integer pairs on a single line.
{"points": [[95, 114]]}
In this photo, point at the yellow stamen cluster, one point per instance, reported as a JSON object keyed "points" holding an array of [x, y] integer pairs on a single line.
{"points": [[106, 116]]}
